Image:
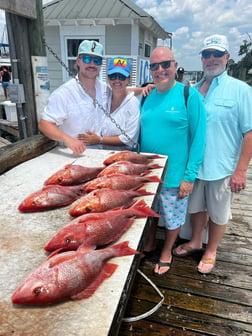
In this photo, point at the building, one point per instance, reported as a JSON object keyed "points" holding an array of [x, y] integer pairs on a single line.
{"points": [[120, 25]]}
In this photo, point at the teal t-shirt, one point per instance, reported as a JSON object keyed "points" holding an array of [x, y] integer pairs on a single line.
{"points": [[169, 128]]}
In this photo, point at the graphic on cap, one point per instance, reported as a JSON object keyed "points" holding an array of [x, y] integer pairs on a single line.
{"points": [[93, 47], [218, 42], [119, 64]]}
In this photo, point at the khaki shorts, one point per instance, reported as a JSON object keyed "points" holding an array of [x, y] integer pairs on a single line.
{"points": [[215, 197]]}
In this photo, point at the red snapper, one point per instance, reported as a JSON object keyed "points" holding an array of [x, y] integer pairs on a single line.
{"points": [[72, 274], [132, 157], [73, 174], [120, 182], [128, 168], [51, 197], [98, 229], [101, 200]]}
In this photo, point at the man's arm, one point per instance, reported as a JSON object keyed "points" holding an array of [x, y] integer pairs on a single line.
{"points": [[238, 179], [53, 132]]}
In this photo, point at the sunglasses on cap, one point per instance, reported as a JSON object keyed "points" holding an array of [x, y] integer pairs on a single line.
{"points": [[117, 75], [88, 59], [215, 53], [164, 65]]}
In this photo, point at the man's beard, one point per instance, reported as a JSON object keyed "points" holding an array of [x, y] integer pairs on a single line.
{"points": [[213, 73]]}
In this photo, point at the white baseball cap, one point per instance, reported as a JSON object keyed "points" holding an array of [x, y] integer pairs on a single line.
{"points": [[218, 42]]}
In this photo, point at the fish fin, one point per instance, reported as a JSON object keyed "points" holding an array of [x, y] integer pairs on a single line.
{"points": [[55, 252], [106, 272], [155, 166], [143, 210], [122, 249], [146, 172], [143, 192], [60, 258], [69, 164], [154, 178]]}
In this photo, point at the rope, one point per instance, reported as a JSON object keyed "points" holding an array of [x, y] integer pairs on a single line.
{"points": [[151, 311]]}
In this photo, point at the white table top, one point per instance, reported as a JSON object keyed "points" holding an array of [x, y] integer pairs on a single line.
{"points": [[23, 236]]}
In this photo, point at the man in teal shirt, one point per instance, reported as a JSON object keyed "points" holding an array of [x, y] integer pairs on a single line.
{"points": [[228, 151], [170, 127]]}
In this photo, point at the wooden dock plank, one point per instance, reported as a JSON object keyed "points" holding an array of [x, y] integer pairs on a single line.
{"points": [[217, 304]]}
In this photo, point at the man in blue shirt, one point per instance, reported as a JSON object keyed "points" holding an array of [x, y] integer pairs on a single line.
{"points": [[228, 151], [171, 127]]}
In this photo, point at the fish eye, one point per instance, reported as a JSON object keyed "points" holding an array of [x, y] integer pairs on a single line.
{"points": [[59, 179], [68, 240], [37, 291], [88, 209]]}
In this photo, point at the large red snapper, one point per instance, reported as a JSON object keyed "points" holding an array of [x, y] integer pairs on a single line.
{"points": [[73, 174], [51, 197], [132, 157], [98, 229], [72, 274], [128, 168], [101, 200], [120, 182]]}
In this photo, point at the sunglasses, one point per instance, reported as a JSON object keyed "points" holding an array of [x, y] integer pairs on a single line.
{"points": [[88, 59], [215, 53], [115, 76], [164, 65]]}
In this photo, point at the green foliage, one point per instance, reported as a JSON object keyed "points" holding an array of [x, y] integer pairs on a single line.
{"points": [[241, 69]]}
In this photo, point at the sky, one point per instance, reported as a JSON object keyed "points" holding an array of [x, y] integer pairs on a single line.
{"points": [[190, 21]]}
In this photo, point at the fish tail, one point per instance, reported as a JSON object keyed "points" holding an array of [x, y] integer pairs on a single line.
{"points": [[143, 192], [122, 249], [155, 166], [154, 179], [141, 209]]}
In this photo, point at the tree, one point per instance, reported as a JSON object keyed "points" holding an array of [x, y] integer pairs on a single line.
{"points": [[244, 49]]}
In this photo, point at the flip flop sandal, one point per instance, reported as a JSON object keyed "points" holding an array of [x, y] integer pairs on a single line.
{"points": [[207, 261], [162, 264], [189, 251]]}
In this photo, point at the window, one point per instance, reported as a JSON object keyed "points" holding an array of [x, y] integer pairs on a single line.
{"points": [[147, 50]]}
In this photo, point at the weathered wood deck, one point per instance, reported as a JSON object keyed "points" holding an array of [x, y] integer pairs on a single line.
{"points": [[217, 304]]}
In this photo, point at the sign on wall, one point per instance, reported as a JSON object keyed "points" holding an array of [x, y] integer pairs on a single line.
{"points": [[144, 72], [26, 8]]}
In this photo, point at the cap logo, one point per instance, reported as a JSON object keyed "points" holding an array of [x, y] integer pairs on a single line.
{"points": [[93, 47], [120, 62], [213, 41]]}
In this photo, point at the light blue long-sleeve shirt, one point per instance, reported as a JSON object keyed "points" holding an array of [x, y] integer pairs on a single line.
{"points": [[229, 116], [169, 128]]}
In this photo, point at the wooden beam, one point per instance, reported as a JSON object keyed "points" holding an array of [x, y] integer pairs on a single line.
{"points": [[23, 150], [26, 8]]}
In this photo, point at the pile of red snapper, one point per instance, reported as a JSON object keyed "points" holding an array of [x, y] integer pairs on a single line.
{"points": [[106, 209]]}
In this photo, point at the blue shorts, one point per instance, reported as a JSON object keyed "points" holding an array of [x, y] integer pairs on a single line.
{"points": [[172, 210], [5, 85]]}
